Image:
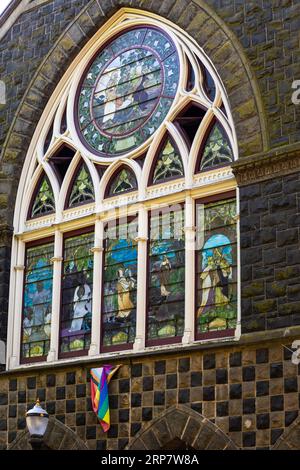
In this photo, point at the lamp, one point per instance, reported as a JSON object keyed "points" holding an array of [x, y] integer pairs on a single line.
{"points": [[37, 422]]}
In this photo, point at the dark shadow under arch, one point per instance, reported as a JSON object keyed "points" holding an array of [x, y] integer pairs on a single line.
{"points": [[57, 437], [182, 427]]}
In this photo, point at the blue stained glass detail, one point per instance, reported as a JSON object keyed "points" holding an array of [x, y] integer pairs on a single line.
{"points": [[166, 274], [37, 301], [119, 285], [216, 274]]}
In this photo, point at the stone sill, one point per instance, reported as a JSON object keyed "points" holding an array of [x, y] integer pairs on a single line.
{"points": [[247, 339]]}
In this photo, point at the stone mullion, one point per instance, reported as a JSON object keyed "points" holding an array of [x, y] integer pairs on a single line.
{"points": [[97, 289], [56, 296], [142, 239], [19, 269], [189, 307]]}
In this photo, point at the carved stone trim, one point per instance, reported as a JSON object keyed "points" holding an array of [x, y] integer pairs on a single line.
{"points": [[19, 267], [260, 167], [96, 249], [141, 239], [56, 259]]}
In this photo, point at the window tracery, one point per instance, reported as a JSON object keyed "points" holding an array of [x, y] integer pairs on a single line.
{"points": [[143, 106]]}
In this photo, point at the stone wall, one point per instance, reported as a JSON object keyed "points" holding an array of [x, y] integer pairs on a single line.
{"points": [[270, 255], [250, 393]]}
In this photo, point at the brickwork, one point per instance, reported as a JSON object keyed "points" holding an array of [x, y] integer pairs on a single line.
{"points": [[250, 394]]}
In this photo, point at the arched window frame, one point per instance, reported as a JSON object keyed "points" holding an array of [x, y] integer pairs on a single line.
{"points": [[184, 190]]}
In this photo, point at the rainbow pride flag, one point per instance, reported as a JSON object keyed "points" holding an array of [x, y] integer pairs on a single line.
{"points": [[100, 379]]}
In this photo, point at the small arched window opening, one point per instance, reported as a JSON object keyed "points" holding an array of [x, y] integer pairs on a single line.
{"points": [[43, 202], [81, 189], [168, 163], [121, 182]]}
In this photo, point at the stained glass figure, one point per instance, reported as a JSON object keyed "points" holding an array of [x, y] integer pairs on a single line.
{"points": [[216, 271], [119, 285], [217, 150], [168, 164], [166, 276], [37, 301], [82, 190], [124, 181], [44, 199], [77, 293], [127, 91]]}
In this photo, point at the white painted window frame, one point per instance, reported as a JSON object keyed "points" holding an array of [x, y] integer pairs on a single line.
{"points": [[188, 189]]}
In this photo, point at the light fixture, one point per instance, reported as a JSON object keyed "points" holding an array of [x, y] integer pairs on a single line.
{"points": [[37, 421]]}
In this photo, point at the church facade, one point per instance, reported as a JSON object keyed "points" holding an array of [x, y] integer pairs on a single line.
{"points": [[149, 205]]}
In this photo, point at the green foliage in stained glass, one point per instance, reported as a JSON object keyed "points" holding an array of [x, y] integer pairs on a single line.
{"points": [[168, 165], [123, 182], [44, 200], [217, 150], [82, 190]]}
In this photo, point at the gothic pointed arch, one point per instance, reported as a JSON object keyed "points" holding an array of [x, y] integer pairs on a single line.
{"points": [[61, 159], [43, 201], [122, 181], [58, 436], [128, 97], [184, 426], [81, 190], [167, 164], [215, 149]]}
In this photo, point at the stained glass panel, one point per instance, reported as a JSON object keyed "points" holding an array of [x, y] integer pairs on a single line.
{"points": [[216, 273], [119, 284], [82, 190], [166, 274], [127, 91], [44, 200], [123, 182], [217, 150], [37, 301], [77, 293], [168, 165]]}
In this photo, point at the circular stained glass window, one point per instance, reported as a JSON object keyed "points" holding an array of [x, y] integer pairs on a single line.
{"points": [[127, 91]]}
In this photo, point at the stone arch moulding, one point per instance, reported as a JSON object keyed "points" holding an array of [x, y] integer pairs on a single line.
{"points": [[194, 17], [57, 437], [185, 425], [290, 439]]}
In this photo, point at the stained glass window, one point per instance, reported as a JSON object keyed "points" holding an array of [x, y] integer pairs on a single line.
{"points": [[217, 150], [166, 276], [37, 301], [77, 292], [123, 181], [43, 202], [82, 190], [216, 273], [127, 91], [119, 284], [168, 164]]}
